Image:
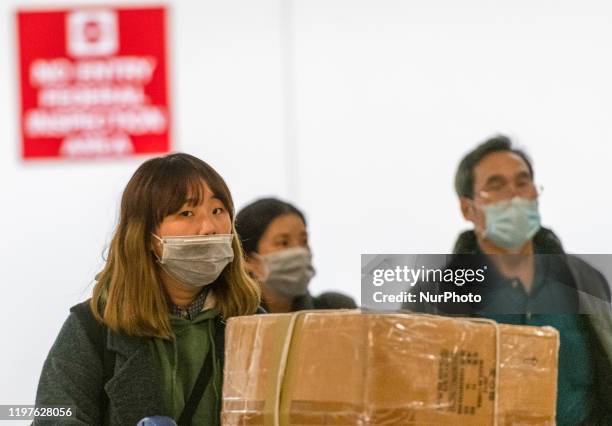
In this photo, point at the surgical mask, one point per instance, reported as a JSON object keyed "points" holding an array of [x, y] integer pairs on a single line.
{"points": [[289, 271], [511, 223], [196, 260]]}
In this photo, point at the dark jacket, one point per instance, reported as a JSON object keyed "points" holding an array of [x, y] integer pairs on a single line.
{"points": [[593, 299], [328, 300], [74, 375]]}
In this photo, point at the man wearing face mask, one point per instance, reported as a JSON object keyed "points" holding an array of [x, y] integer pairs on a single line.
{"points": [[275, 240], [529, 278]]}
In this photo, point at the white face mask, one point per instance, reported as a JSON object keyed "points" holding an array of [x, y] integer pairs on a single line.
{"points": [[196, 260], [511, 223], [289, 271]]}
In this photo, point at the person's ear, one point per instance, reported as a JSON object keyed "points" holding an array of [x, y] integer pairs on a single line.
{"points": [[467, 208], [155, 245], [255, 265]]}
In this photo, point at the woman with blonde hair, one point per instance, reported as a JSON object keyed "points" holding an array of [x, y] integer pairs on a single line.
{"points": [[150, 339]]}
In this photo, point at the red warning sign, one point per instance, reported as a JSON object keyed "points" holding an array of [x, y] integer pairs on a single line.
{"points": [[93, 82]]}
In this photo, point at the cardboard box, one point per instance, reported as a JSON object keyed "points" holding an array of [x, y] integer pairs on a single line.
{"points": [[352, 368]]}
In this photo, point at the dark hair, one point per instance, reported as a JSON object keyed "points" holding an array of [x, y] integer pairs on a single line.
{"points": [[128, 296], [464, 178], [253, 220], [162, 185]]}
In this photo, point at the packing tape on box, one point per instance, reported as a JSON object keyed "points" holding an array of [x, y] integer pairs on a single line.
{"points": [[497, 362], [274, 416], [281, 347]]}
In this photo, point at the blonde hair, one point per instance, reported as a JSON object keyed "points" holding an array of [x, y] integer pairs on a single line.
{"points": [[129, 296]]}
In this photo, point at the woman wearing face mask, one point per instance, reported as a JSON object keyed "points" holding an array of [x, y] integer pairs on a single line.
{"points": [[150, 340], [274, 238]]}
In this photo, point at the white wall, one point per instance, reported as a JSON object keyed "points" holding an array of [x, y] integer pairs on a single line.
{"points": [[391, 93], [387, 96]]}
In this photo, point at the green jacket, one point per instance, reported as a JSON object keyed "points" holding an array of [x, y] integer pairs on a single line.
{"points": [[74, 374], [180, 361]]}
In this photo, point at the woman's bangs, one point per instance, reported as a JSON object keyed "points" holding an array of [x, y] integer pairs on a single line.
{"points": [[174, 191]]}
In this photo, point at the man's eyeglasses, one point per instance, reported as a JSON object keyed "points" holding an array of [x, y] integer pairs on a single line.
{"points": [[507, 190]]}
